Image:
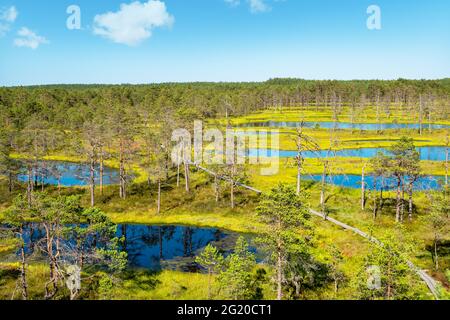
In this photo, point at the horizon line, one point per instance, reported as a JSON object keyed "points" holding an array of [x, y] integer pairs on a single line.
{"points": [[220, 82]]}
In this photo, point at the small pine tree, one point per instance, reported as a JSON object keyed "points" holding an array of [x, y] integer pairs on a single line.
{"points": [[288, 230], [211, 260], [237, 277], [385, 273], [438, 221]]}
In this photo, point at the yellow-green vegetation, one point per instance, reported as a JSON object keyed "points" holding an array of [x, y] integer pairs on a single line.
{"points": [[196, 208], [342, 139], [9, 274], [322, 114], [347, 139], [132, 285], [167, 285], [7, 245], [199, 208], [349, 166]]}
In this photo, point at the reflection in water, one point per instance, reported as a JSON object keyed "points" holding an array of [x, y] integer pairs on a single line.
{"points": [[170, 247], [426, 153], [156, 247], [69, 174], [354, 181]]}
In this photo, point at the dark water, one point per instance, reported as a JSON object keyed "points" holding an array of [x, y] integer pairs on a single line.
{"points": [[71, 174], [426, 153], [354, 181], [170, 247], [343, 125], [160, 247]]}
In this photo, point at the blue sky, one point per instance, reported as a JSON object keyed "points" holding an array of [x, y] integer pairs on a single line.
{"points": [[220, 40]]}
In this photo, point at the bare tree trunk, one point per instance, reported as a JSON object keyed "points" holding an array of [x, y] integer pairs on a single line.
{"points": [[160, 240], [216, 187], [178, 166], [166, 165], [336, 286], [402, 206], [178, 175], [363, 189], [35, 177], [209, 283], [23, 268], [279, 273], [101, 171], [436, 262], [122, 173], [299, 178], [81, 257], [317, 101], [120, 179], [92, 180], [322, 191], [429, 116], [375, 198], [186, 176], [50, 291], [299, 168], [352, 114], [381, 193], [377, 102], [420, 114], [233, 173], [398, 207], [410, 200], [10, 181], [446, 161], [232, 194], [389, 286], [159, 197], [42, 179], [30, 185]]}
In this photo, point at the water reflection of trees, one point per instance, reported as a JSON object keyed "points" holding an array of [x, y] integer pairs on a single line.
{"points": [[137, 241], [43, 172], [154, 246]]}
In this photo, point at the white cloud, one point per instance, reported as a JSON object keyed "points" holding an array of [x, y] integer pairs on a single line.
{"points": [[29, 39], [133, 23], [233, 3], [256, 6], [7, 17]]}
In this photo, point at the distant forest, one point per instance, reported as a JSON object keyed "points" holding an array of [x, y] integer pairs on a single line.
{"points": [[69, 105]]}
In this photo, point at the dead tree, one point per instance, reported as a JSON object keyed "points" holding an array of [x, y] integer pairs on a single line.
{"points": [[303, 143], [363, 188]]}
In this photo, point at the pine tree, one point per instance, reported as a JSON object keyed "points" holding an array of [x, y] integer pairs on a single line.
{"points": [[288, 230], [212, 261], [237, 278]]}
